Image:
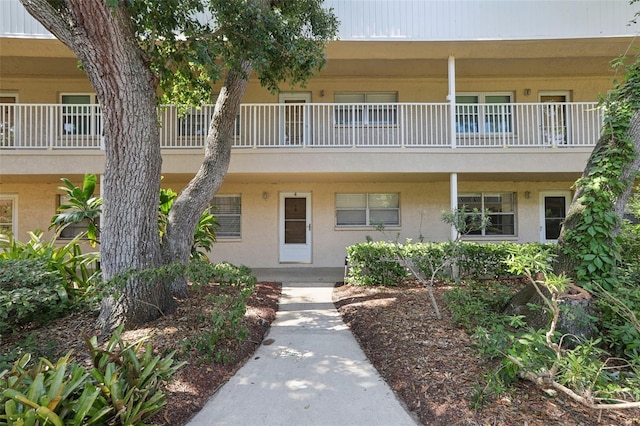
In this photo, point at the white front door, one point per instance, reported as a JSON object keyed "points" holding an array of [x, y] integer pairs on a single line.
{"points": [[295, 227], [294, 118], [554, 206]]}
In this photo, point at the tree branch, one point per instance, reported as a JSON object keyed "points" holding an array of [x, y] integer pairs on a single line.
{"points": [[59, 22]]}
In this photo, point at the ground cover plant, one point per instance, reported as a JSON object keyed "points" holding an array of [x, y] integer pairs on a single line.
{"points": [[496, 351], [213, 337]]}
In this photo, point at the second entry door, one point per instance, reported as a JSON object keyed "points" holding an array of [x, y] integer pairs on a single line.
{"points": [[295, 227], [294, 119]]}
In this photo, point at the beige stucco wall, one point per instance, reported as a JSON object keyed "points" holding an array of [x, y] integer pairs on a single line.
{"points": [[37, 203], [323, 87], [422, 204]]}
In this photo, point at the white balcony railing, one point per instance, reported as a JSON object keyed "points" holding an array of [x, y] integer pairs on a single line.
{"points": [[394, 125]]}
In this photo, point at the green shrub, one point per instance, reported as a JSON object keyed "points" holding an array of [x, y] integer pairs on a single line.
{"points": [[374, 263], [202, 273], [29, 292], [120, 389], [224, 322], [235, 285], [479, 304], [617, 328], [379, 263], [79, 271]]}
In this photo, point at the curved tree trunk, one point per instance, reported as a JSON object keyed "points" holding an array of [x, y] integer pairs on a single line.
{"points": [[565, 264], [196, 196], [104, 40]]}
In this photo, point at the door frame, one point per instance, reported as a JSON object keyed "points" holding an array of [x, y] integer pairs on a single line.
{"points": [[14, 140], [294, 253], [305, 97], [556, 193], [567, 121]]}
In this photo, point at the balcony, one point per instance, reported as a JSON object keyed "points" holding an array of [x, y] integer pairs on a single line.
{"points": [[317, 126]]}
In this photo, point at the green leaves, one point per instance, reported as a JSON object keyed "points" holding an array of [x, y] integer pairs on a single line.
{"points": [[121, 388], [81, 207], [191, 44], [592, 243]]}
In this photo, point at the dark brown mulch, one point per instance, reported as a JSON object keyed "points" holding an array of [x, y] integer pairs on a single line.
{"points": [[194, 383], [435, 370], [431, 364]]}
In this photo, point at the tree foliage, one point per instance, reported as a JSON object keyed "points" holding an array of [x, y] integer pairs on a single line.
{"points": [[182, 50], [588, 248], [193, 43]]}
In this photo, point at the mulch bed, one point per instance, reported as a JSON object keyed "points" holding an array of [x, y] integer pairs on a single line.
{"points": [[435, 370]]}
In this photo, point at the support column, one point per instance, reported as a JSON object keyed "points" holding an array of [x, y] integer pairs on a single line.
{"points": [[453, 189], [451, 97]]}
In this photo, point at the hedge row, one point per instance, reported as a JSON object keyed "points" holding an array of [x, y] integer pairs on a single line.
{"points": [[381, 263]]}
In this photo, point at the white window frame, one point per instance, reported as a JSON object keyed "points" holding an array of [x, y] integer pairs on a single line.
{"points": [[364, 106], [14, 212], [367, 209], [475, 118], [483, 202], [93, 115], [216, 212]]}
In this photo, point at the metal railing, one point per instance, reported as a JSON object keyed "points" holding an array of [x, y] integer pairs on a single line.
{"points": [[337, 125]]}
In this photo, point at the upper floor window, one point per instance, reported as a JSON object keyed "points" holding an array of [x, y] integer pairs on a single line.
{"points": [[366, 108], [500, 207], [196, 122], [227, 210], [368, 209], [80, 114], [484, 113], [8, 214]]}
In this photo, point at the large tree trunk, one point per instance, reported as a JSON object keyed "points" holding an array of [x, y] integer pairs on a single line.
{"points": [[104, 40], [565, 264]]}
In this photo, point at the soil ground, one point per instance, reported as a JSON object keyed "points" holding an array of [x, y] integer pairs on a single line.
{"points": [[431, 364]]}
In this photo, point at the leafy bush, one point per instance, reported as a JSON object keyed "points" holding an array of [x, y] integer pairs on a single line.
{"points": [[224, 322], [29, 291], [121, 388], [379, 263], [79, 271], [619, 315], [479, 304], [82, 207], [374, 263], [235, 285]]}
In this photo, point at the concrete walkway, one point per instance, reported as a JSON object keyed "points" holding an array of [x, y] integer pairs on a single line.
{"points": [[309, 371]]}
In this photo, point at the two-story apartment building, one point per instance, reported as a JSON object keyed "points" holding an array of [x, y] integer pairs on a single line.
{"points": [[424, 105]]}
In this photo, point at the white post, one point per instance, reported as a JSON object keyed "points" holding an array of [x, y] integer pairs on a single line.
{"points": [[451, 97], [453, 188]]}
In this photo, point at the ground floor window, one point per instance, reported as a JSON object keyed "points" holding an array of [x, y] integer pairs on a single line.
{"points": [[368, 209], [8, 214], [72, 230], [228, 212], [500, 206]]}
